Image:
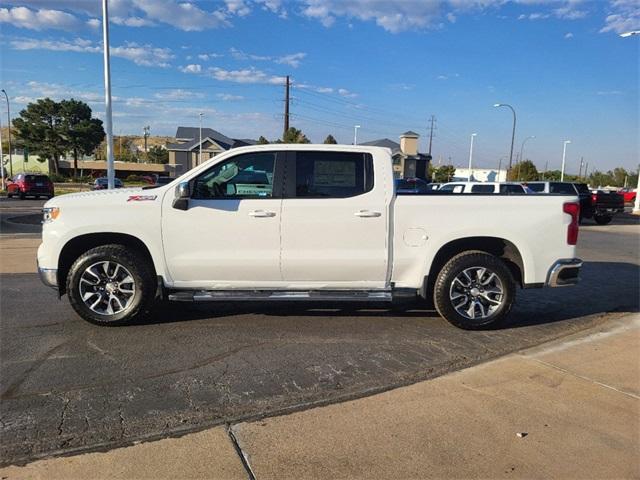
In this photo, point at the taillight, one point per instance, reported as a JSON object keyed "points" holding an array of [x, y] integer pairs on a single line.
{"points": [[594, 197], [572, 209]]}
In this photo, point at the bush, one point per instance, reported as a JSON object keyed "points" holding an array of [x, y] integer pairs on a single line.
{"points": [[134, 178], [58, 178]]}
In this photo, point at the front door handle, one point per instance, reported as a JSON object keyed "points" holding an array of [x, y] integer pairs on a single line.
{"points": [[367, 214], [261, 213]]}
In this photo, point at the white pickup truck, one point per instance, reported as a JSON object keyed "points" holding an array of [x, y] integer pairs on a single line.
{"points": [[303, 223]]}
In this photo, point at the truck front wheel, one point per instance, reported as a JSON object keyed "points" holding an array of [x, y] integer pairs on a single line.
{"points": [[111, 285], [474, 290]]}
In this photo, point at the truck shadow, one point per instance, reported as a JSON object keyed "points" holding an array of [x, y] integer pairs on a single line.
{"points": [[604, 287]]}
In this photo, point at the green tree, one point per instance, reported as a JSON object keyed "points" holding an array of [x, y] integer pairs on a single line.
{"points": [[262, 141], [524, 171], [443, 174], [40, 128], [157, 154], [82, 133], [293, 135], [330, 140]]}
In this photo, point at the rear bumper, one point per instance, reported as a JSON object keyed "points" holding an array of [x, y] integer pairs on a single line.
{"points": [[564, 273]]}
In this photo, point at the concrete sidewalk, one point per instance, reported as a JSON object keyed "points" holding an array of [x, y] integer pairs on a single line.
{"points": [[570, 409]]}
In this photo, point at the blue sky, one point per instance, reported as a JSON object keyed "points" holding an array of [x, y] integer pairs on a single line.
{"points": [[385, 65]]}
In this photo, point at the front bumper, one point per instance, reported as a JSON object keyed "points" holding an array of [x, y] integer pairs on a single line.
{"points": [[564, 273], [49, 276]]}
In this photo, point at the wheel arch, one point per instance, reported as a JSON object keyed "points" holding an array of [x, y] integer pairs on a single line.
{"points": [[500, 247], [83, 243]]}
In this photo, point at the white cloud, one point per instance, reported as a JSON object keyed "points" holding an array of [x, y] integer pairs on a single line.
{"points": [[568, 35], [624, 16], [191, 68], [246, 75], [209, 56], [178, 94], [227, 97], [182, 15], [609, 92], [343, 92], [144, 55], [42, 19], [238, 7], [57, 92], [77, 45], [293, 59], [94, 23], [132, 21]]}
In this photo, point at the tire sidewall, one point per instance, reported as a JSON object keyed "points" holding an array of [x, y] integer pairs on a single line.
{"points": [[453, 268], [118, 255]]}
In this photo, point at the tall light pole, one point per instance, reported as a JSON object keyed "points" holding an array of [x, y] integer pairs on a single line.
{"points": [[521, 150], [500, 166], [636, 204], [200, 148], [473, 135], [9, 125], [513, 131], [1, 160], [355, 134], [564, 156], [111, 173]]}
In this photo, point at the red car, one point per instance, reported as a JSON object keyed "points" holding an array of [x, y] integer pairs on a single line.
{"points": [[629, 194], [29, 184]]}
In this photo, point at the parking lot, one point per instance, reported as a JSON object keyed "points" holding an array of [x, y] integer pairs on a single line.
{"points": [[68, 385]]}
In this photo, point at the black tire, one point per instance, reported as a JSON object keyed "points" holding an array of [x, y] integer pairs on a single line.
{"points": [[22, 196], [138, 266], [9, 195], [455, 267], [602, 219]]}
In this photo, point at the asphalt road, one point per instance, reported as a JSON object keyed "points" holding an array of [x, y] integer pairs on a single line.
{"points": [[20, 217], [67, 385]]}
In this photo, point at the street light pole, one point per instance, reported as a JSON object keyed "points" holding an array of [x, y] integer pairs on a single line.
{"points": [[473, 135], [9, 125], [1, 160], [564, 155], [200, 147], [513, 131], [521, 157], [355, 134], [108, 122]]}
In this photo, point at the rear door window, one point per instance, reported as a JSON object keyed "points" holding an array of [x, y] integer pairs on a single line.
{"points": [[511, 189], [536, 187], [333, 174], [563, 188], [482, 189]]}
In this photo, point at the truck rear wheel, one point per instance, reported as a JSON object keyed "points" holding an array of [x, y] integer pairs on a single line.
{"points": [[111, 285], [602, 219], [474, 290]]}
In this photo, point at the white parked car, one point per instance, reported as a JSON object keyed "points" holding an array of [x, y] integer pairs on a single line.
{"points": [[511, 188], [303, 222]]}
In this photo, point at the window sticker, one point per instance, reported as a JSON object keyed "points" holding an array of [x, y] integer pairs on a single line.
{"points": [[334, 174]]}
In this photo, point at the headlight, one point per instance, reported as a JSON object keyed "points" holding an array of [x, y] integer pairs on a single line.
{"points": [[49, 214]]}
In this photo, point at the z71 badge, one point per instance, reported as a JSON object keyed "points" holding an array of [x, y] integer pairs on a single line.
{"points": [[141, 198]]}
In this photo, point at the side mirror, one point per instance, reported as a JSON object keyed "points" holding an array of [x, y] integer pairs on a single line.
{"points": [[182, 194]]}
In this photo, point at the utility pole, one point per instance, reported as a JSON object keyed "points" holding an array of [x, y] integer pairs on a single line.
{"points": [[200, 146], [111, 172], [586, 167], [9, 125], [433, 119], [146, 135], [286, 107], [546, 167]]}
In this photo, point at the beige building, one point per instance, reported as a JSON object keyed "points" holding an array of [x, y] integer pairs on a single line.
{"points": [[183, 155], [407, 162]]}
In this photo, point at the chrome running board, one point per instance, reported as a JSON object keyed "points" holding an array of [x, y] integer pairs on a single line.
{"points": [[281, 295]]}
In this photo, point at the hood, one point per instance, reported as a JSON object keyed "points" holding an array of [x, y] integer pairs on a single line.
{"points": [[118, 196]]}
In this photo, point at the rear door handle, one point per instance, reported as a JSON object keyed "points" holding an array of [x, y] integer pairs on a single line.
{"points": [[367, 214], [261, 213]]}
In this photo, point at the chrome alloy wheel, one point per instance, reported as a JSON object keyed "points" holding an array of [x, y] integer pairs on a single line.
{"points": [[107, 288], [476, 293]]}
